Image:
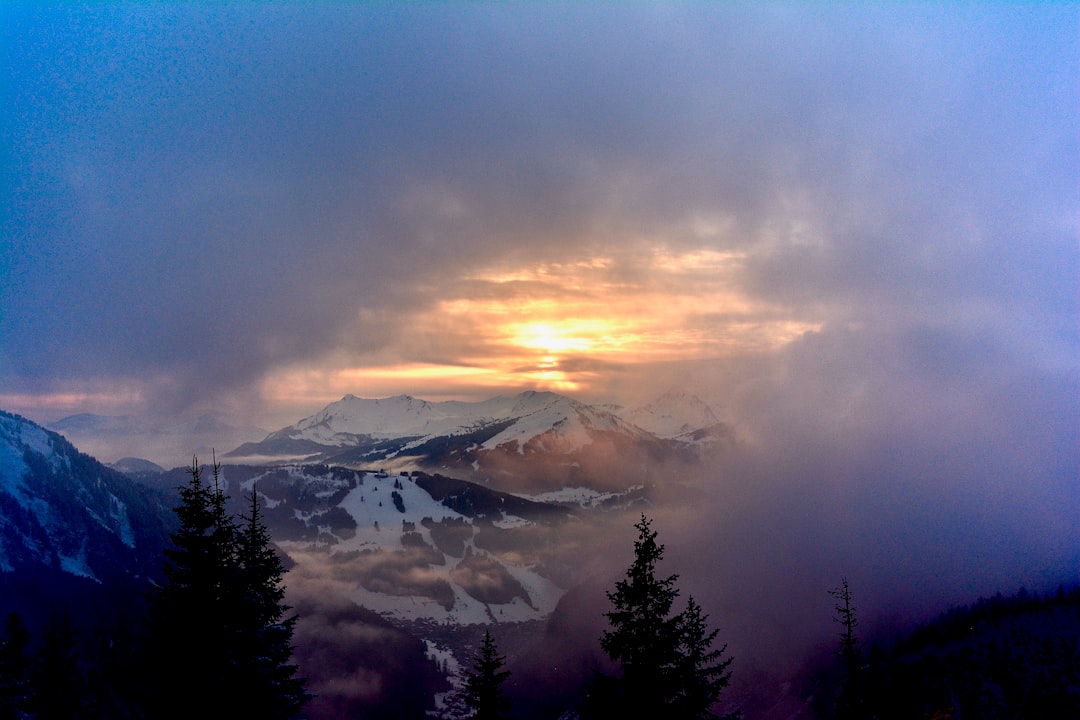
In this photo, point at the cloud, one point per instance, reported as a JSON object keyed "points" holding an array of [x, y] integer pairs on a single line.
{"points": [[354, 660], [239, 205]]}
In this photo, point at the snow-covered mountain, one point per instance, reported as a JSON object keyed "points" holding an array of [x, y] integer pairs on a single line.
{"points": [[532, 441], [515, 420], [430, 556], [677, 415], [413, 545], [63, 511]]}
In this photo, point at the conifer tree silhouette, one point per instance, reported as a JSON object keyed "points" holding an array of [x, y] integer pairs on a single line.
{"points": [[668, 667], [263, 632], [218, 643], [483, 693], [849, 651], [701, 672]]}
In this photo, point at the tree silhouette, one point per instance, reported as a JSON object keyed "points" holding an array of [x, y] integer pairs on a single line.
{"points": [[187, 628], [218, 644], [642, 633], [849, 651], [482, 693], [263, 634], [701, 672], [668, 666]]}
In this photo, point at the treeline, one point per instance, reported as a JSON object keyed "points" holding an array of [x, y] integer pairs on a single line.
{"points": [[215, 641], [1000, 657]]}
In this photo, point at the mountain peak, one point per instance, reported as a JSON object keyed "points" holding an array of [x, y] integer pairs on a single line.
{"points": [[674, 413]]}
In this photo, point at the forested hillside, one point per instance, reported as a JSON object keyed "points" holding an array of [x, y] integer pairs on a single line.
{"points": [[1000, 657]]}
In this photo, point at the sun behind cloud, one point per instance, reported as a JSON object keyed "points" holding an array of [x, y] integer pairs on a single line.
{"points": [[554, 337], [565, 326]]}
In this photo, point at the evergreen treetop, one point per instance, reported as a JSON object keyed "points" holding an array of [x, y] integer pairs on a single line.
{"points": [[668, 667], [642, 633], [483, 693], [701, 672]]}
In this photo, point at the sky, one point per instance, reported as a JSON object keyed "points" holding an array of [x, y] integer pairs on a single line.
{"points": [[851, 228], [255, 208]]}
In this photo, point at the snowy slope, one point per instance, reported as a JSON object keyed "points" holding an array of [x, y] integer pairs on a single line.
{"points": [[557, 424], [383, 539], [673, 414], [341, 423], [531, 442], [61, 510]]}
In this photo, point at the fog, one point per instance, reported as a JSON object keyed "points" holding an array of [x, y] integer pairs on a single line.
{"points": [[924, 489]]}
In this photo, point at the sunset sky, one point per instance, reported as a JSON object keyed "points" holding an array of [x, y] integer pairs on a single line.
{"points": [[256, 208]]}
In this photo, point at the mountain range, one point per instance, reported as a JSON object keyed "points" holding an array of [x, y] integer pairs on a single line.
{"points": [[62, 510], [396, 571], [466, 495], [531, 442]]}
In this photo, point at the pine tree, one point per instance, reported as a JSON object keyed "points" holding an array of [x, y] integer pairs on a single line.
{"points": [[218, 643], [14, 668], [701, 673], [849, 651], [263, 632], [186, 638], [482, 693], [668, 666], [642, 637]]}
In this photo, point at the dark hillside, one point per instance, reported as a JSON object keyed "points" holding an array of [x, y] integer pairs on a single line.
{"points": [[474, 500], [1000, 657]]}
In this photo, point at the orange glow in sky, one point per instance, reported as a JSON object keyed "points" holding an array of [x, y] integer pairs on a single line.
{"points": [[556, 326]]}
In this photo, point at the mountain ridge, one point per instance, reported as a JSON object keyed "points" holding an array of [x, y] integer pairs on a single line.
{"points": [[563, 440], [64, 510]]}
